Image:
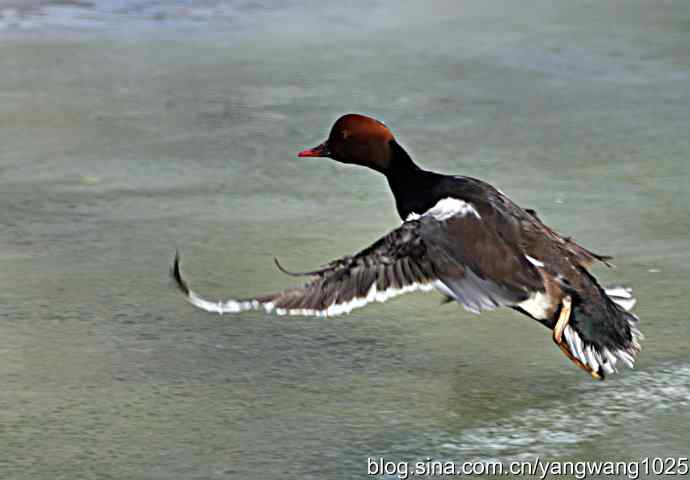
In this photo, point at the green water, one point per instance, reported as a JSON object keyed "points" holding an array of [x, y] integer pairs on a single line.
{"points": [[122, 141]]}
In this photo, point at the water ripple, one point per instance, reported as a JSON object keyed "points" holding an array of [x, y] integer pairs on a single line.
{"points": [[600, 409]]}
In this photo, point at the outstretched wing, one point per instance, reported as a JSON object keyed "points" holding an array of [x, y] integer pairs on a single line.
{"points": [[450, 248], [397, 263]]}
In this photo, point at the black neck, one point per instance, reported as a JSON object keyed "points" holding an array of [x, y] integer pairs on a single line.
{"points": [[409, 183]]}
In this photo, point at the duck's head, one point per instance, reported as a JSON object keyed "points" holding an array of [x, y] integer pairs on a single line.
{"points": [[357, 139]]}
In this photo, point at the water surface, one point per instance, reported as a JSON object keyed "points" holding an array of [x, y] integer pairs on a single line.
{"points": [[132, 128]]}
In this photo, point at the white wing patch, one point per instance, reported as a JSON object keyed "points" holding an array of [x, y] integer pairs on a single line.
{"points": [[374, 295], [449, 207], [229, 306], [446, 208]]}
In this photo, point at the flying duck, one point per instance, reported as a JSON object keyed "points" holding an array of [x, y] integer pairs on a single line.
{"points": [[467, 240]]}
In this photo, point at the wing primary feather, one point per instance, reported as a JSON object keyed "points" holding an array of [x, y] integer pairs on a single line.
{"points": [[312, 273]]}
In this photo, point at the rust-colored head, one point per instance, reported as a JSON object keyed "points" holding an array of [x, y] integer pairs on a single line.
{"points": [[357, 139]]}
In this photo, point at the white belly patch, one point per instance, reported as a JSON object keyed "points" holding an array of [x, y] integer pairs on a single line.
{"points": [[538, 305]]}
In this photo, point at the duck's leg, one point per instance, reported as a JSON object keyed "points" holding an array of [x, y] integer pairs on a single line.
{"points": [[563, 320]]}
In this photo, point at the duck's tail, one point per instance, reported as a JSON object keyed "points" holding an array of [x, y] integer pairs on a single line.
{"points": [[622, 296], [603, 333]]}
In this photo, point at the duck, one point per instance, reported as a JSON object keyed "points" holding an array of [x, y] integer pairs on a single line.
{"points": [[468, 241]]}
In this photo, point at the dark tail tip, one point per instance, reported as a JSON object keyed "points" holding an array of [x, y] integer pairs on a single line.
{"points": [[177, 276]]}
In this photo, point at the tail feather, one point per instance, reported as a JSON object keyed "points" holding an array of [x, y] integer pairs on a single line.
{"points": [[621, 296], [606, 337], [603, 359]]}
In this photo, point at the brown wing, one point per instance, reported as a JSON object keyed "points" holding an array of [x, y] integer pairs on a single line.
{"points": [[397, 263], [578, 253], [479, 258], [460, 255]]}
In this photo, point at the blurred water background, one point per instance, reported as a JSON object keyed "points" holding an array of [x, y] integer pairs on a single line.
{"points": [[130, 128]]}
